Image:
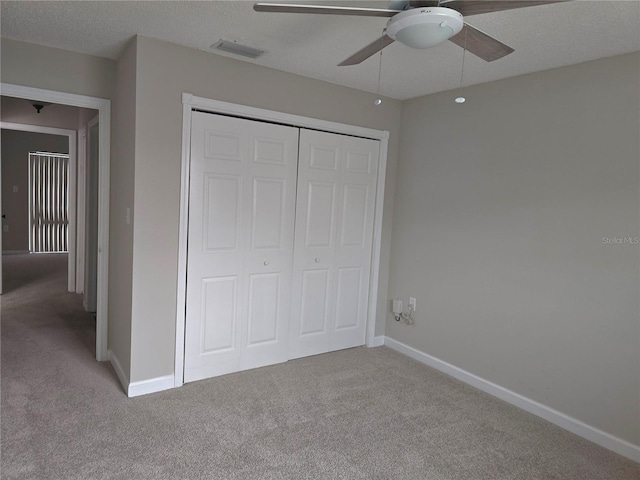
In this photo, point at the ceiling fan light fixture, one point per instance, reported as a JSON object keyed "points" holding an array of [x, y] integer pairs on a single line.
{"points": [[425, 27]]}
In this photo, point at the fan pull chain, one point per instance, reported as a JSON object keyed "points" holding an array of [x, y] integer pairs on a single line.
{"points": [[464, 52], [378, 100]]}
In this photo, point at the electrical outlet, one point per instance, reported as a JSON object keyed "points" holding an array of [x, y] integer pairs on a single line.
{"points": [[15, 188], [412, 303], [5, 228]]}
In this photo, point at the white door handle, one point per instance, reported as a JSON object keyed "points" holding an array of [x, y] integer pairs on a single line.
{"points": [[266, 263], [317, 260]]}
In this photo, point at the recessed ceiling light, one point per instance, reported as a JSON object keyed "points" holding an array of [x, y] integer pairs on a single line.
{"points": [[460, 99]]}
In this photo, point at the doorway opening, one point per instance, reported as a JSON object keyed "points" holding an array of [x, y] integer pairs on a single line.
{"points": [[103, 107]]}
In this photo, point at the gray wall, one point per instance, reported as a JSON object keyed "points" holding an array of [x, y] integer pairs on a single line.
{"points": [[23, 64], [16, 146], [123, 129], [501, 208], [164, 72]]}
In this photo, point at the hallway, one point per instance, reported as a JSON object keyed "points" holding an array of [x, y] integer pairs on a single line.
{"points": [[48, 342], [36, 304]]}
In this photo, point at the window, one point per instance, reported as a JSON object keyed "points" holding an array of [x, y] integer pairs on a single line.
{"points": [[48, 202]]}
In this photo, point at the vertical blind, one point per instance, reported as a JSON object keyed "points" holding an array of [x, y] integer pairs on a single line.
{"points": [[48, 202]]}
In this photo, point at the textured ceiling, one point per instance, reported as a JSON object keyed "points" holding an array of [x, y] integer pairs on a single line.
{"points": [[544, 37]]}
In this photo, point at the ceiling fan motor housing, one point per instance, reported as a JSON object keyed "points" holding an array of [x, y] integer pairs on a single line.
{"points": [[425, 27]]}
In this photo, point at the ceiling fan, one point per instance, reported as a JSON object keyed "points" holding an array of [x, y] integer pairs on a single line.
{"points": [[422, 24]]}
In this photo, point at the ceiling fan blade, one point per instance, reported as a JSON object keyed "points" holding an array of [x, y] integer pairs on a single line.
{"points": [[476, 7], [367, 51], [481, 44], [324, 10], [423, 3]]}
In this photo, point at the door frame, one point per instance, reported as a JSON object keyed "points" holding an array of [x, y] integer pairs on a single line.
{"points": [[94, 121], [104, 112], [190, 103], [80, 207], [72, 206]]}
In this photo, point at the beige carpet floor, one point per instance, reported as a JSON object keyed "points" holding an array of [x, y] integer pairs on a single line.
{"points": [[355, 414]]}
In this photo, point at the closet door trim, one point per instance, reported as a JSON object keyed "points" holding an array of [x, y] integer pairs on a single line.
{"points": [[190, 103]]}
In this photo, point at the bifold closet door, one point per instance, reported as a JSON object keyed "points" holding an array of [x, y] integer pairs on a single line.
{"points": [[333, 240], [239, 262]]}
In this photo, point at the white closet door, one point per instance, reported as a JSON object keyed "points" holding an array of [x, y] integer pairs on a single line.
{"points": [[333, 238], [241, 217]]}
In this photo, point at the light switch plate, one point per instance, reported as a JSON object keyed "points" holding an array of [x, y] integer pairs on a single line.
{"points": [[412, 303]]}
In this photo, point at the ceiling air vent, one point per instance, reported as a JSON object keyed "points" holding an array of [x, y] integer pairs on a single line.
{"points": [[237, 49]]}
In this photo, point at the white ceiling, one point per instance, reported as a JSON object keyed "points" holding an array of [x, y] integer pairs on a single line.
{"points": [[544, 37]]}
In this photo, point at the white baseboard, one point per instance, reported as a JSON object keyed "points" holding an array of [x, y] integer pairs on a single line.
{"points": [[123, 377], [15, 252], [152, 385], [135, 389], [377, 341], [604, 439]]}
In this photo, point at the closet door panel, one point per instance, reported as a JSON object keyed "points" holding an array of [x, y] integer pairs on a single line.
{"points": [[354, 241], [315, 296], [316, 219], [320, 214], [273, 159], [353, 229], [214, 284], [219, 298], [348, 287], [267, 221], [221, 212], [332, 252], [241, 214]]}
